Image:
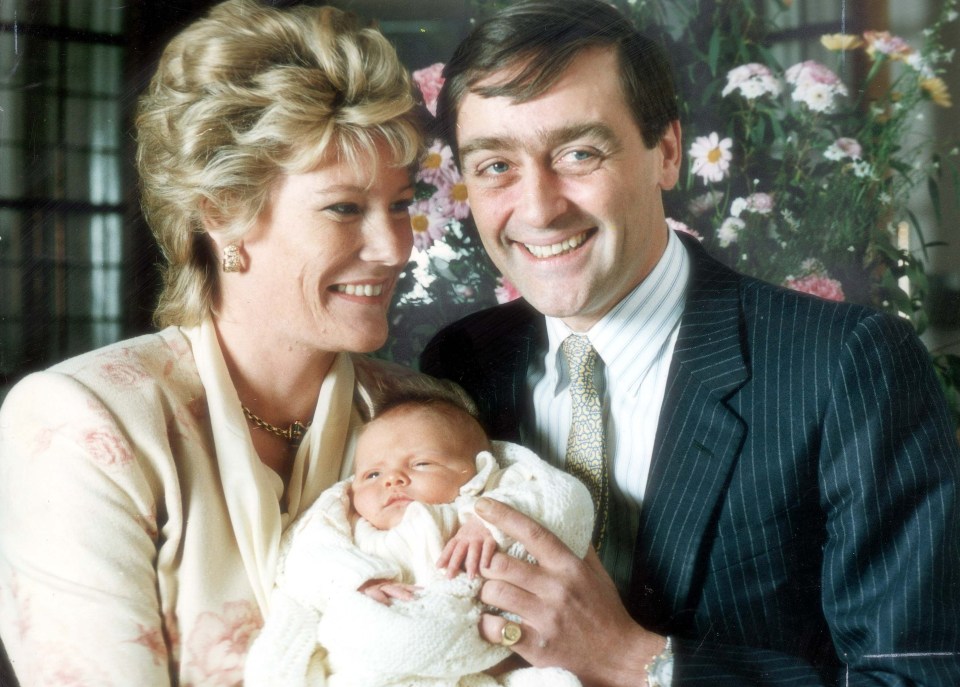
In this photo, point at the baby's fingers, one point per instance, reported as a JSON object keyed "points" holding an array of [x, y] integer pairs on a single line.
{"points": [[457, 558], [446, 553], [486, 555], [404, 592]]}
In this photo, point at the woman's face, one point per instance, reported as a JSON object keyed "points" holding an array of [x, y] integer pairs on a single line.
{"points": [[322, 260]]}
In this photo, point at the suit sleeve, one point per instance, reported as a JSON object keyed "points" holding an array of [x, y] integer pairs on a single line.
{"points": [[888, 473]]}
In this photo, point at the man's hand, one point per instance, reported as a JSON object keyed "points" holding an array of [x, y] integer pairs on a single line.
{"points": [[385, 591], [470, 549], [570, 609]]}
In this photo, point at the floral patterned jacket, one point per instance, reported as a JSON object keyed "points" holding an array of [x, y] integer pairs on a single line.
{"points": [[139, 532]]}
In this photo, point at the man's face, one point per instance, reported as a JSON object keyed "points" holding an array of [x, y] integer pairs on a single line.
{"points": [[565, 195], [413, 453]]}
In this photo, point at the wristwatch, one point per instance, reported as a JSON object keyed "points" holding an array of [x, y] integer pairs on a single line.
{"points": [[660, 669]]}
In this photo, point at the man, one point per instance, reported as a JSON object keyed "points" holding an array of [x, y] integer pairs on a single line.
{"points": [[782, 474]]}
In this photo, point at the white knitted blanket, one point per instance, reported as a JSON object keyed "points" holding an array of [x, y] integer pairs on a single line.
{"points": [[322, 632]]}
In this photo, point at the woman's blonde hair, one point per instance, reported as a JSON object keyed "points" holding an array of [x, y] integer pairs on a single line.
{"points": [[240, 97]]}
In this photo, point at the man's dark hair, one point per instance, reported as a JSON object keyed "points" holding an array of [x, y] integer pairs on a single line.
{"points": [[539, 39]]}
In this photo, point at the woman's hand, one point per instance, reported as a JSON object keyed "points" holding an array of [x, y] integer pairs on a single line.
{"points": [[570, 609], [470, 549]]}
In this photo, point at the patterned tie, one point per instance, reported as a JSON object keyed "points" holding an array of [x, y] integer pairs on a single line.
{"points": [[586, 451]]}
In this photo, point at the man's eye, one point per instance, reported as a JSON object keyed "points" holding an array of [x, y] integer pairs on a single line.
{"points": [[579, 155], [579, 161], [494, 169]]}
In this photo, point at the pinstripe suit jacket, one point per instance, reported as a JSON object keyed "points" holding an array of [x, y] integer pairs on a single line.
{"points": [[802, 518]]}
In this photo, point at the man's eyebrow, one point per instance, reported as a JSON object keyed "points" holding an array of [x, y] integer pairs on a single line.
{"points": [[549, 138]]}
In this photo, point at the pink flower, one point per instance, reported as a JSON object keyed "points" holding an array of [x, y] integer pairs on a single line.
{"points": [[815, 85], [428, 219], [123, 374], [811, 71], [107, 448], [844, 147], [883, 42], [752, 80], [455, 198], [219, 643], [817, 285], [151, 638], [756, 203], [674, 225], [437, 167], [506, 291], [429, 80]]}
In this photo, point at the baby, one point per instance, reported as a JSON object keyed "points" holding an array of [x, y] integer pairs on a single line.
{"points": [[378, 580]]}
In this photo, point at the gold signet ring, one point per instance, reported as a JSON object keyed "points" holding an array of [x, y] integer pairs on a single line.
{"points": [[510, 634]]}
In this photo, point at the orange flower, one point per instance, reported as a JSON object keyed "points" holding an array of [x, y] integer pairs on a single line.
{"points": [[937, 90], [840, 41]]}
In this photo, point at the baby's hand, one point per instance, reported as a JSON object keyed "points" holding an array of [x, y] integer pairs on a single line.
{"points": [[471, 548], [385, 591]]}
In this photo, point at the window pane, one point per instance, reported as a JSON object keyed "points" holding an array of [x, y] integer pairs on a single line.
{"points": [[96, 15], [11, 172], [11, 127], [92, 124], [94, 69]]}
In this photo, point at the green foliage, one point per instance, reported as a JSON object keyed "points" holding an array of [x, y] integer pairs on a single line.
{"points": [[816, 195]]}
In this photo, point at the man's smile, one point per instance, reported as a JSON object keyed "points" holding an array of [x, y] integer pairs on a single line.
{"points": [[560, 248]]}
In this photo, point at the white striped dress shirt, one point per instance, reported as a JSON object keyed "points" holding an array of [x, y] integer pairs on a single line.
{"points": [[635, 341]]}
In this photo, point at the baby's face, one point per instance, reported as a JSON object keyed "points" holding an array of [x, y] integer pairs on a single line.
{"points": [[413, 453]]}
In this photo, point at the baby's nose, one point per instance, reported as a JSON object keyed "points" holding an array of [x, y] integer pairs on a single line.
{"points": [[397, 477]]}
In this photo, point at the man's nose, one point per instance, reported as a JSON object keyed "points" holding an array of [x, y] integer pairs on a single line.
{"points": [[543, 199]]}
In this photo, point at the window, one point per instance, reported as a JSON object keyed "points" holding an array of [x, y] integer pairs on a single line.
{"points": [[62, 194]]}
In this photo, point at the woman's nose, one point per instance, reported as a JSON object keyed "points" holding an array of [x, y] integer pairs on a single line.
{"points": [[388, 240]]}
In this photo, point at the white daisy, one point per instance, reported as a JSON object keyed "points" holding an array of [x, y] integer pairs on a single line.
{"points": [[711, 157]]}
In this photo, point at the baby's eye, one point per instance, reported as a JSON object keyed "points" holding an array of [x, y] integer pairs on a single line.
{"points": [[373, 474]]}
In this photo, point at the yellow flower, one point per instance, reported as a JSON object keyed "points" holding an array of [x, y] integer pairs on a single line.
{"points": [[840, 41], [937, 90]]}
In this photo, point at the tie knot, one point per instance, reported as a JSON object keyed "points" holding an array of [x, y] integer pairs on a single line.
{"points": [[580, 355]]}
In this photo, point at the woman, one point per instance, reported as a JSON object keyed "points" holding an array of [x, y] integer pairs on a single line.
{"points": [[144, 486]]}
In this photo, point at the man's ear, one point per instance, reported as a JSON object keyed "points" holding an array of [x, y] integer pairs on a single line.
{"points": [[671, 148]]}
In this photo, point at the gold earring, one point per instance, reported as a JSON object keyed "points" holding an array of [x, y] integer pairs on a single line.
{"points": [[232, 262]]}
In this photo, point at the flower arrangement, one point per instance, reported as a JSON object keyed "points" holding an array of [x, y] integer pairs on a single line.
{"points": [[449, 274], [800, 175]]}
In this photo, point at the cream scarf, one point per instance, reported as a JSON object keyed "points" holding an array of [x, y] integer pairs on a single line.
{"points": [[251, 490]]}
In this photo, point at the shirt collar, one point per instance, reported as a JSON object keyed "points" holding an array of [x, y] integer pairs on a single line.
{"points": [[635, 332]]}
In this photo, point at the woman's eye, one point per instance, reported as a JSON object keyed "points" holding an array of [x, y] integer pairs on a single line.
{"points": [[344, 208], [402, 205]]}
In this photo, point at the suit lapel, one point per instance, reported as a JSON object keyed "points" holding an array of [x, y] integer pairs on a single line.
{"points": [[698, 441], [508, 351]]}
